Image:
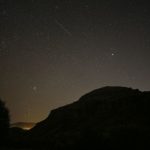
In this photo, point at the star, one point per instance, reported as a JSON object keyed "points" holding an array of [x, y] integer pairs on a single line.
{"points": [[86, 6], [112, 54], [56, 7], [34, 88]]}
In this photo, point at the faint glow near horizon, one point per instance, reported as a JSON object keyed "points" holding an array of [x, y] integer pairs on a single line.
{"points": [[53, 52]]}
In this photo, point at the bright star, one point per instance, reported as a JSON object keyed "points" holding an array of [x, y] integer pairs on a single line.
{"points": [[35, 88]]}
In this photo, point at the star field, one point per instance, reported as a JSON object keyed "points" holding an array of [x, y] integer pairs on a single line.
{"points": [[52, 52]]}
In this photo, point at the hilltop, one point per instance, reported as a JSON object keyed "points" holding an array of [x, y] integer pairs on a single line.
{"points": [[107, 117]]}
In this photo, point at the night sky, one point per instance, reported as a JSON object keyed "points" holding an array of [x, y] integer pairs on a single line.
{"points": [[54, 51]]}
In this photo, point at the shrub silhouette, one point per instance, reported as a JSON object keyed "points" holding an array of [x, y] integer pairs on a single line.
{"points": [[4, 122]]}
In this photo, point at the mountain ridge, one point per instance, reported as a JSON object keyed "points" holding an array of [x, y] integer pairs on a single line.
{"points": [[103, 115]]}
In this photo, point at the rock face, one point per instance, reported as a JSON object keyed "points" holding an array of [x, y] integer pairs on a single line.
{"points": [[109, 117]]}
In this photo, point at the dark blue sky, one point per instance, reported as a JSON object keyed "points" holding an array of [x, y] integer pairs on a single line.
{"points": [[54, 51]]}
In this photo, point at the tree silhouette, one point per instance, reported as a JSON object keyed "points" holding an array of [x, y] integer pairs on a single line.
{"points": [[4, 122]]}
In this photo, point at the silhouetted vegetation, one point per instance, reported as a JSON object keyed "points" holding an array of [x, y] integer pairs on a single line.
{"points": [[4, 122]]}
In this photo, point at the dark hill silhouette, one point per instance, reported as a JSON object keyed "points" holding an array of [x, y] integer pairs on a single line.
{"points": [[109, 117]]}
